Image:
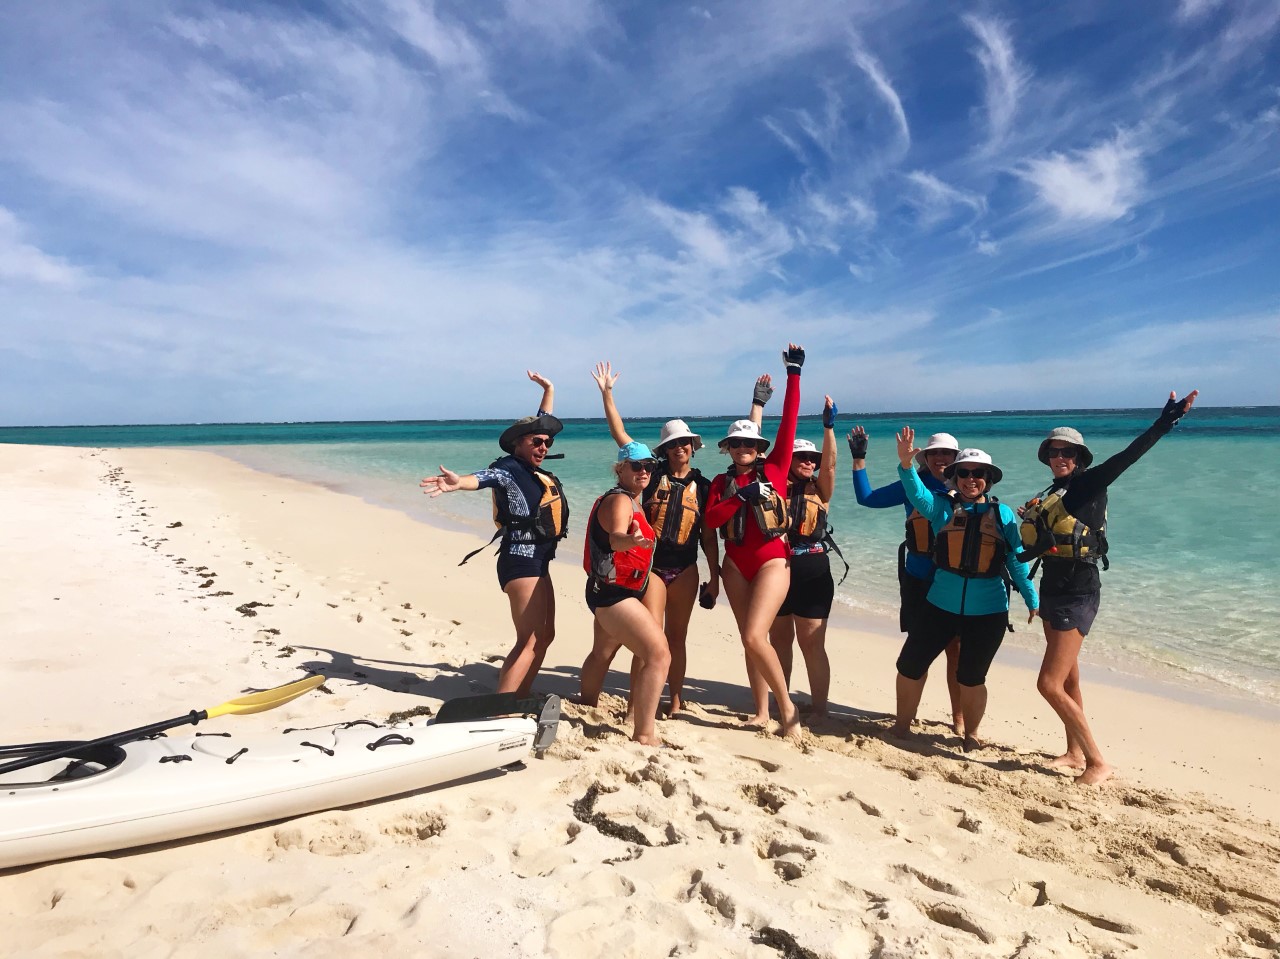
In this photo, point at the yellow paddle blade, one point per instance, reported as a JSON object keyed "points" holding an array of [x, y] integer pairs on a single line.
{"points": [[267, 699]]}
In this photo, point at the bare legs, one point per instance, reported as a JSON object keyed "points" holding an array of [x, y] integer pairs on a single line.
{"points": [[755, 605], [811, 635], [681, 595], [953, 687], [533, 612], [1059, 684], [972, 704], [630, 624]]}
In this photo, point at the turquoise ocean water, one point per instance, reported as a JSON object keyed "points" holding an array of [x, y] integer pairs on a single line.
{"points": [[1191, 596]]}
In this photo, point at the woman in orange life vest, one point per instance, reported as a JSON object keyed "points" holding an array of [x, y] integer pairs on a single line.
{"points": [[525, 554], [617, 556], [746, 504], [674, 501], [804, 613]]}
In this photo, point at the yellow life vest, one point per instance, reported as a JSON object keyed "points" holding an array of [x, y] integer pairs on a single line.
{"points": [[920, 537], [972, 544], [548, 523], [1049, 531], [769, 512], [673, 509], [807, 511]]}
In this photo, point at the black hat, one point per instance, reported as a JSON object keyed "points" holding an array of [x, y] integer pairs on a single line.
{"points": [[546, 423]]}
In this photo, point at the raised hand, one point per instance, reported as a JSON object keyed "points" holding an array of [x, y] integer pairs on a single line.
{"points": [[829, 411], [858, 443], [538, 378], [447, 482], [793, 358], [763, 390], [906, 446], [604, 376], [1175, 409]]}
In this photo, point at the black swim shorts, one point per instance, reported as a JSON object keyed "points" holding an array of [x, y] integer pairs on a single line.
{"points": [[1070, 611], [812, 589]]}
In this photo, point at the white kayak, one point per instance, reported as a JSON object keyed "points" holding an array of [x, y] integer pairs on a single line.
{"points": [[177, 786]]}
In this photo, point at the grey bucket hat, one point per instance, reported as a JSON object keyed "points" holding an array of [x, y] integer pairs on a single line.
{"points": [[1065, 434]]}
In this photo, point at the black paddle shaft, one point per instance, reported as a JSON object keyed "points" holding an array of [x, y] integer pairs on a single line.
{"points": [[63, 750]]}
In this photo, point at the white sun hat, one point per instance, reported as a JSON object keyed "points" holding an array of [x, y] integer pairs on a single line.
{"points": [[677, 430], [979, 458], [938, 441], [803, 446], [743, 429]]}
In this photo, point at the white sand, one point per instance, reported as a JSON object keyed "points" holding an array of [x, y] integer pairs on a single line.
{"points": [[850, 846]]}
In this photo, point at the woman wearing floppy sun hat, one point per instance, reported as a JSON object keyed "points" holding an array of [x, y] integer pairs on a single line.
{"points": [[1065, 528], [976, 542], [674, 502], [532, 514], [617, 557], [750, 512]]}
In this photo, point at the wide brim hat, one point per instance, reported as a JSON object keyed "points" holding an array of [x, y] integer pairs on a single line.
{"points": [[743, 429], [804, 446], [1065, 434], [980, 458], [938, 441], [546, 423], [677, 430]]}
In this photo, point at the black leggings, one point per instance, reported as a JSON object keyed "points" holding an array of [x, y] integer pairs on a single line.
{"points": [[934, 628]]}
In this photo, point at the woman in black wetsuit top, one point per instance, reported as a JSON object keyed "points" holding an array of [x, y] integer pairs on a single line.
{"points": [[1065, 527]]}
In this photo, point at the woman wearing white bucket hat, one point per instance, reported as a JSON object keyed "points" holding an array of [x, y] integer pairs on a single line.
{"points": [[1065, 526], [976, 542], [802, 618], [746, 505], [915, 553], [674, 502]]}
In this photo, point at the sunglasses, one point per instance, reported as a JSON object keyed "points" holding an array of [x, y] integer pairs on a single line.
{"points": [[686, 441], [642, 466], [971, 474], [738, 443], [546, 441], [806, 458], [1065, 452]]}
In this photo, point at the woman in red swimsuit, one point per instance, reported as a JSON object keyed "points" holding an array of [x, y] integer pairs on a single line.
{"points": [[752, 517]]}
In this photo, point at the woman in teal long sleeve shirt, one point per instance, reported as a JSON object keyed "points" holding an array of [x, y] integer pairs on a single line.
{"points": [[975, 552]]}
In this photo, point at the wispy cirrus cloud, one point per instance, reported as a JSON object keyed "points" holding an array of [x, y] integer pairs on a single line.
{"points": [[1004, 76]]}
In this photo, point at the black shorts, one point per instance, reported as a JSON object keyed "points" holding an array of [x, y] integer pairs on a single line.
{"points": [[934, 628], [914, 594], [601, 595], [812, 588], [517, 567], [1070, 611]]}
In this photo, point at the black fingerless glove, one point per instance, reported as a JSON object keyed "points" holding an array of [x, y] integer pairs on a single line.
{"points": [[761, 394], [1170, 415], [858, 446], [752, 492], [794, 359]]}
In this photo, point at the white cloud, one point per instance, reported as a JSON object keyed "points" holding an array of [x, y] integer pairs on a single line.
{"points": [[1005, 77], [22, 262], [1192, 9], [935, 201], [880, 81], [1096, 185]]}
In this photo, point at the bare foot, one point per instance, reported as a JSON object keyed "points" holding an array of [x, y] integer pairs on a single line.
{"points": [[972, 743], [647, 740], [790, 728], [583, 701], [957, 726], [758, 721], [675, 706], [1095, 774], [898, 731], [1067, 761], [818, 711]]}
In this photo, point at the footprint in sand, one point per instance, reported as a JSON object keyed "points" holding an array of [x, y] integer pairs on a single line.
{"points": [[912, 874], [326, 838], [948, 914], [415, 827], [789, 859]]}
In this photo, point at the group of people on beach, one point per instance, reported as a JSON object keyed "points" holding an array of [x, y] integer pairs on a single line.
{"points": [[963, 554]]}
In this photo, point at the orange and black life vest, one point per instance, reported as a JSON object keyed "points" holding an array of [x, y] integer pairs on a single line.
{"points": [[807, 512], [673, 508], [627, 568], [549, 521], [972, 544], [769, 512]]}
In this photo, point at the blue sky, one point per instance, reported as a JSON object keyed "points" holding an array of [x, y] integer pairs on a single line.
{"points": [[370, 209]]}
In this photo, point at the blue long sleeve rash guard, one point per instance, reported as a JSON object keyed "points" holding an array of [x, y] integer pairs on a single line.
{"points": [[918, 567], [961, 594]]}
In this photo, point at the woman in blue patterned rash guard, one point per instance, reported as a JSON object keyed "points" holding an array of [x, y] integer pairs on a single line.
{"points": [[531, 513]]}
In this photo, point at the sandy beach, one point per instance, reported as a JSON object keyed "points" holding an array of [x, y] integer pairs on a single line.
{"points": [[138, 584]]}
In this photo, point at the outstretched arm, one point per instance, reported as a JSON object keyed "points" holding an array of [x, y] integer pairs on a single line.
{"points": [[448, 482], [605, 378], [826, 481], [759, 397], [548, 391]]}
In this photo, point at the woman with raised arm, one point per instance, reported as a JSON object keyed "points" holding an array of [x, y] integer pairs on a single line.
{"points": [[915, 552], [674, 501], [803, 615], [617, 557], [531, 514], [976, 542], [1065, 527], [748, 508]]}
